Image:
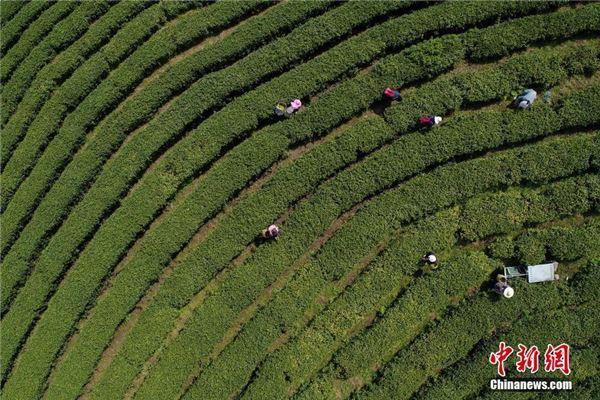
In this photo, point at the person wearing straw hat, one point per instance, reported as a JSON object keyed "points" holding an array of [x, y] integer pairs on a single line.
{"points": [[525, 99], [272, 232], [280, 109]]}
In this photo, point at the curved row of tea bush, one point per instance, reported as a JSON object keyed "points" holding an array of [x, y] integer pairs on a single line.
{"points": [[355, 239], [185, 275], [281, 191], [61, 40], [507, 36], [70, 238], [62, 66], [43, 171], [9, 260], [571, 197], [60, 36], [542, 329], [89, 263], [131, 160], [37, 293], [11, 30], [448, 341], [92, 97], [336, 99], [31, 37], [301, 357], [468, 376], [248, 281], [273, 318], [279, 143], [38, 125], [54, 207], [381, 31], [8, 9], [385, 336], [562, 243], [46, 282], [394, 166], [304, 355]]}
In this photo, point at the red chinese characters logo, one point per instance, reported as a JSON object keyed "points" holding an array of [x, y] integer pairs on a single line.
{"points": [[528, 359], [556, 358], [502, 355]]}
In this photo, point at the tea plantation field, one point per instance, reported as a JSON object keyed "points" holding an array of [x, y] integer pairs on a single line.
{"points": [[141, 159]]}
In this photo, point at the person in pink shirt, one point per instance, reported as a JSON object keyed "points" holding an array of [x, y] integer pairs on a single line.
{"points": [[272, 232]]}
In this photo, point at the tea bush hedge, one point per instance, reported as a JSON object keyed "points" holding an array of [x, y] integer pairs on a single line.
{"points": [[140, 159]]}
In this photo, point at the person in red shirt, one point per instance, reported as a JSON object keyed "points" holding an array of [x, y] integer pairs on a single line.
{"points": [[392, 94], [429, 120]]}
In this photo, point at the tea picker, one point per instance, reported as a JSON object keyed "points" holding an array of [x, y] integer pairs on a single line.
{"points": [[272, 232], [429, 258], [282, 109], [503, 289], [293, 107], [429, 120], [534, 273], [391, 94], [525, 99]]}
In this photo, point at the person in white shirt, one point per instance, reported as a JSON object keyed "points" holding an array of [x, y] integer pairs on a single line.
{"points": [[429, 258]]}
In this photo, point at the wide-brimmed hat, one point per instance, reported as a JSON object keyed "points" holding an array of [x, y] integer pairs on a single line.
{"points": [[296, 104]]}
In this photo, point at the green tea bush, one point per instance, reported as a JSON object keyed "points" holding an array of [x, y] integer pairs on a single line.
{"points": [[308, 284], [78, 18], [92, 96], [472, 373], [63, 64], [9, 8], [449, 341], [92, 194], [367, 348], [32, 36], [182, 276], [11, 30]]}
